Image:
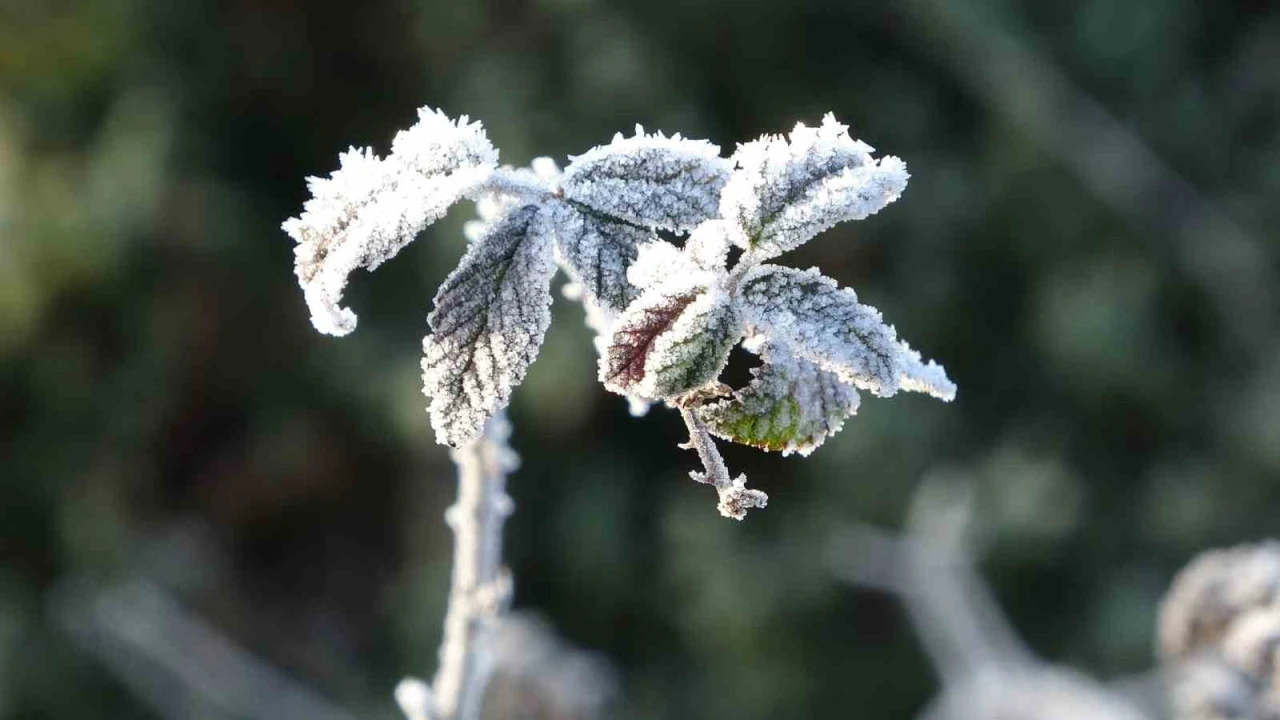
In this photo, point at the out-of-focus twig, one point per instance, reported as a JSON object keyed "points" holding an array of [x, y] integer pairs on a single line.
{"points": [[987, 672], [175, 661], [1220, 635], [480, 587], [953, 611]]}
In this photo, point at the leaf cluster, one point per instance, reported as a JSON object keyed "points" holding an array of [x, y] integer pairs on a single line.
{"points": [[667, 315]]}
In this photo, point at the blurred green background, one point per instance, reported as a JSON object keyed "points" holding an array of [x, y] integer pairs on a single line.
{"points": [[1088, 243]]}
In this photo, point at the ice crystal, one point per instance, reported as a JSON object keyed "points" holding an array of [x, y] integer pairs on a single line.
{"points": [[916, 375], [666, 315]]}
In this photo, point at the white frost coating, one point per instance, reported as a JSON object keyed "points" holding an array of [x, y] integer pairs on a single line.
{"points": [[658, 262], [1251, 641], [849, 195], [631, 338], [480, 588], [699, 262], [824, 323], [735, 497], [694, 349], [489, 207], [638, 407], [666, 315], [786, 190], [1219, 634], [414, 697], [601, 321], [930, 378], [1216, 588], [371, 207], [490, 317], [595, 252], [546, 169], [708, 245], [650, 180], [437, 144], [791, 405]]}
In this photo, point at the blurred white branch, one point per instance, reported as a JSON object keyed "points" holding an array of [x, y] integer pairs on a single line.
{"points": [[987, 671], [932, 570], [175, 661], [480, 587]]}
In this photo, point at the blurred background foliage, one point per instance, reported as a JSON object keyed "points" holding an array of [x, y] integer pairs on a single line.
{"points": [[1088, 244]]}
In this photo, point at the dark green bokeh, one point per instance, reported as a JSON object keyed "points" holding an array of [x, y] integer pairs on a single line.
{"points": [[1088, 243]]}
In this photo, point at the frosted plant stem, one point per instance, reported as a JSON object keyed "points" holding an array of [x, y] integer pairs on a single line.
{"points": [[505, 181], [480, 586], [735, 498]]}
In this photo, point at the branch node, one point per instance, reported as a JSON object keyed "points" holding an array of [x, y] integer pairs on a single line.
{"points": [[414, 697]]}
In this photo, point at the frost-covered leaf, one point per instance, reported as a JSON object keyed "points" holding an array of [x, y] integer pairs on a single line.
{"points": [[489, 319], [626, 356], [824, 323], [708, 245], [371, 207], [792, 405], [696, 348], [596, 252], [437, 144], [700, 262], [509, 188], [673, 339], [650, 180], [930, 378], [787, 190], [658, 262]]}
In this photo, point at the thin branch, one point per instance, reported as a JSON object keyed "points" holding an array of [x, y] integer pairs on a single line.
{"points": [[480, 586], [735, 498], [517, 183], [956, 619]]}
